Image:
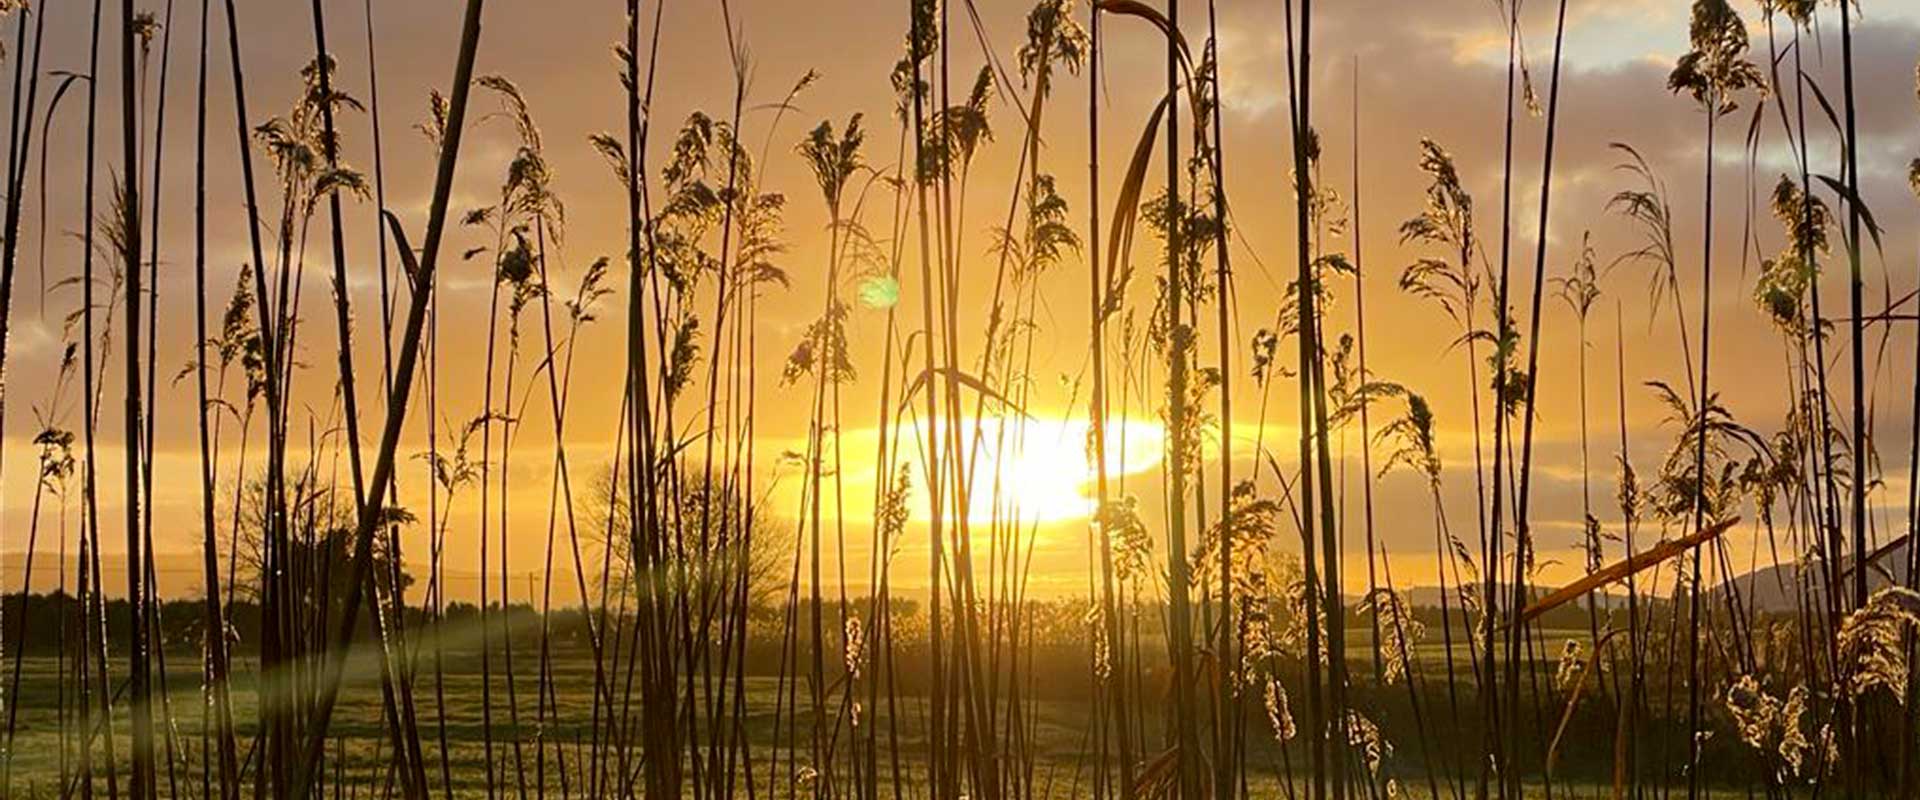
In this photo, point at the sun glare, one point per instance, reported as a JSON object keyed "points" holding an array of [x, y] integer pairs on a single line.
{"points": [[1041, 470]]}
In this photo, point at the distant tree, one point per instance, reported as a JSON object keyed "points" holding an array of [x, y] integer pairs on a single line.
{"points": [[724, 517], [320, 547]]}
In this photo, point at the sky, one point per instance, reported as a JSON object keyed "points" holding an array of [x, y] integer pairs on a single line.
{"points": [[1401, 71]]}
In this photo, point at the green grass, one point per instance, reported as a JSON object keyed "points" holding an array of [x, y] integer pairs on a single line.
{"points": [[360, 754]]}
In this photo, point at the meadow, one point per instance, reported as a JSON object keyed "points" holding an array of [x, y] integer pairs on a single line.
{"points": [[364, 767]]}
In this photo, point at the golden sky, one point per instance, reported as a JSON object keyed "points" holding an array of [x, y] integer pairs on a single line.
{"points": [[1415, 69]]}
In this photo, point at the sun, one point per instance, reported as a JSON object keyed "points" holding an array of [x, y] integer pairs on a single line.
{"points": [[1040, 470]]}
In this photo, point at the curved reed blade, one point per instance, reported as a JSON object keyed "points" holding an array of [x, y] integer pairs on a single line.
{"points": [[1126, 206]]}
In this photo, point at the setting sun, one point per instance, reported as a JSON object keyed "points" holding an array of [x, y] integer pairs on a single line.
{"points": [[1039, 470]]}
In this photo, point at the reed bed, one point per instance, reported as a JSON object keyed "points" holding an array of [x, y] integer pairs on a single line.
{"points": [[714, 604]]}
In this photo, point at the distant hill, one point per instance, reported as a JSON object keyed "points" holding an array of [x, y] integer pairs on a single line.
{"points": [[1771, 589], [1778, 589], [1429, 596]]}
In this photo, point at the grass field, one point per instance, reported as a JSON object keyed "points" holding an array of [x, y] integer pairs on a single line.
{"points": [[360, 750]]}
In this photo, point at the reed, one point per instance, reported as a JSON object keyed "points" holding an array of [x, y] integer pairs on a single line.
{"points": [[700, 616]]}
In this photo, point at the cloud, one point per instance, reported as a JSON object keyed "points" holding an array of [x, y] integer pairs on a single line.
{"points": [[1426, 69]]}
